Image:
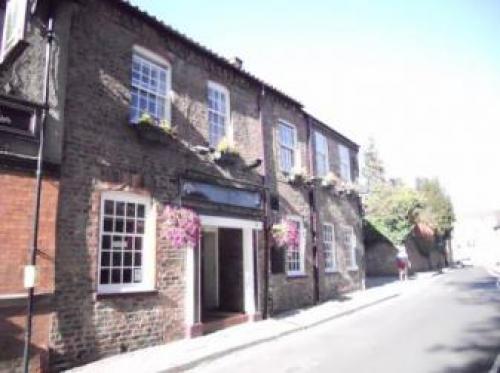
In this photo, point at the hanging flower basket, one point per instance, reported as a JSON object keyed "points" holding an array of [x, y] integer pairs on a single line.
{"points": [[181, 227], [152, 129], [226, 153], [285, 234]]}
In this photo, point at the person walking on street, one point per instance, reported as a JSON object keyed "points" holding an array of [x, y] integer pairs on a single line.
{"points": [[403, 263]]}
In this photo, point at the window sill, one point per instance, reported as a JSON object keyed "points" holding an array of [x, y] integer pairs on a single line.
{"points": [[332, 271], [104, 294], [296, 275], [352, 269]]}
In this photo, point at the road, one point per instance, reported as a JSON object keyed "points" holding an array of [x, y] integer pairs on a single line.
{"points": [[449, 324]]}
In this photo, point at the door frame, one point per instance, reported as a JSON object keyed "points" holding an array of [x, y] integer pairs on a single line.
{"points": [[215, 230]]}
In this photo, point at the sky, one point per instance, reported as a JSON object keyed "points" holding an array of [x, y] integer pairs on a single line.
{"points": [[422, 78]]}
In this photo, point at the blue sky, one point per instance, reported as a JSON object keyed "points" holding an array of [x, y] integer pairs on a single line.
{"points": [[422, 77]]}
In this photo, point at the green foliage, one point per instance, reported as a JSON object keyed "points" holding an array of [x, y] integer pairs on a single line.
{"points": [[393, 209], [438, 212]]}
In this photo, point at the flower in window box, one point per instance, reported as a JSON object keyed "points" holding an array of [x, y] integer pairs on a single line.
{"points": [[181, 227], [330, 180], [226, 151], [285, 234], [297, 176], [167, 127], [352, 188], [146, 120]]}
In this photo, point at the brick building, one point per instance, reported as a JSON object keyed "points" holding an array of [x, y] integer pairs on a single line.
{"points": [[118, 284]]}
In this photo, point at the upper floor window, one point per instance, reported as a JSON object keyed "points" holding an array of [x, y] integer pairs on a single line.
{"points": [[218, 113], [329, 248], [296, 254], [345, 163], [287, 138], [126, 255], [150, 86], [321, 151], [13, 18]]}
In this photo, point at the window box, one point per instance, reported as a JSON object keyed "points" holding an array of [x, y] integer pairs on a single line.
{"points": [[297, 177], [150, 129], [226, 158]]}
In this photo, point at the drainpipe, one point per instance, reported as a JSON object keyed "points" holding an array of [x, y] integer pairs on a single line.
{"points": [[38, 186], [312, 209], [265, 201]]}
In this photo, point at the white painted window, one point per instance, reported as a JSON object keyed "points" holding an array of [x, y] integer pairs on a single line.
{"points": [[321, 151], [127, 244], [349, 238], [329, 247], [150, 86], [296, 254], [287, 141], [14, 25], [345, 163], [218, 113]]}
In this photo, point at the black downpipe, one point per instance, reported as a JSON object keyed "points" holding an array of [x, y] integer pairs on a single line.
{"points": [[312, 215], [266, 220], [38, 187]]}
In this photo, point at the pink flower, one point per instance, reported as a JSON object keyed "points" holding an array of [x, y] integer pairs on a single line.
{"points": [[181, 227]]}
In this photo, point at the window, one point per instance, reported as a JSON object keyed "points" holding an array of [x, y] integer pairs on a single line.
{"points": [[150, 86], [218, 113], [296, 254], [287, 138], [126, 256], [14, 25], [321, 147], [329, 248], [349, 239], [345, 163]]}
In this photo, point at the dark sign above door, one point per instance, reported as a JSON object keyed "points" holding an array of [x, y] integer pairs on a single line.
{"points": [[221, 194]]}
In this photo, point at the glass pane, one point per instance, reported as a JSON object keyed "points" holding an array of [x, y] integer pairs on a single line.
{"points": [[108, 224], [137, 275], [138, 243], [117, 259], [127, 276], [140, 211], [120, 208], [104, 276], [108, 207], [138, 259], [119, 225], [130, 226], [140, 226], [106, 242], [105, 259], [131, 210], [115, 276], [127, 259]]}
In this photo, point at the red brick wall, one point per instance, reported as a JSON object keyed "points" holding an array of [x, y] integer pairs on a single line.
{"points": [[16, 210]]}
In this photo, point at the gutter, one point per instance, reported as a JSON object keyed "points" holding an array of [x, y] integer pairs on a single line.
{"points": [[38, 188]]}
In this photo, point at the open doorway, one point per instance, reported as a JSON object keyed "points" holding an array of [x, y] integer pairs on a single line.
{"points": [[222, 281]]}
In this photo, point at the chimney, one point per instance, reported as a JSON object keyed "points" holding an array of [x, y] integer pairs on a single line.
{"points": [[237, 62]]}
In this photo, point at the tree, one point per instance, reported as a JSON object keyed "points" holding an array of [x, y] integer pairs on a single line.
{"points": [[438, 211], [373, 168], [393, 210]]}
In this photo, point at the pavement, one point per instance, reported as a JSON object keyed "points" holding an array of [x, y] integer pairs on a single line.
{"points": [[190, 353]]}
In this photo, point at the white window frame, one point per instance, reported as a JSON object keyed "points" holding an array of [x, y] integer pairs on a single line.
{"points": [[20, 9], [228, 130], [294, 148], [350, 240], [345, 163], [320, 140], [148, 246], [148, 57], [302, 248], [330, 246]]}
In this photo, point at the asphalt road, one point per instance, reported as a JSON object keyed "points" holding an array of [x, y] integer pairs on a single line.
{"points": [[448, 324]]}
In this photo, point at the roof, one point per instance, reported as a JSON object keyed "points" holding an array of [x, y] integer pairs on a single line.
{"points": [[155, 22], [334, 132]]}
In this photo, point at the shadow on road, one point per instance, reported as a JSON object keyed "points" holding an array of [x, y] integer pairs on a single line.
{"points": [[480, 341]]}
